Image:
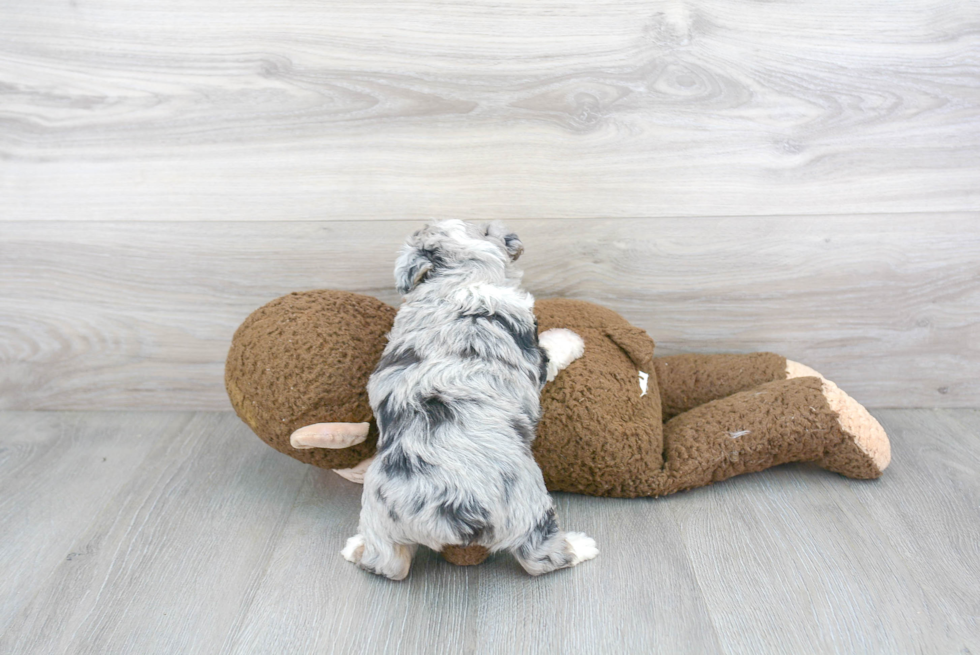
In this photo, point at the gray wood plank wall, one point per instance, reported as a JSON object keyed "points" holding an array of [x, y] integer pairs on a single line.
{"points": [[803, 178]]}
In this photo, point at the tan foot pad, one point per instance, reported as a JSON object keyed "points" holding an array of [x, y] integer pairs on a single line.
{"points": [[855, 420], [329, 435], [868, 436], [797, 370]]}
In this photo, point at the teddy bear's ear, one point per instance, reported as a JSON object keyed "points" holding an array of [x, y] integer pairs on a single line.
{"points": [[635, 342]]}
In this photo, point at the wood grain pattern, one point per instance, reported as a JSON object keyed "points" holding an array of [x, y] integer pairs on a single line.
{"points": [[800, 545], [214, 543], [941, 464], [645, 577], [491, 608], [304, 590], [140, 315], [567, 108], [171, 562], [883, 566], [57, 472]]}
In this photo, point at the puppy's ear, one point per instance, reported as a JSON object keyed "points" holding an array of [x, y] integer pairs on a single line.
{"points": [[411, 267], [514, 246], [512, 243]]}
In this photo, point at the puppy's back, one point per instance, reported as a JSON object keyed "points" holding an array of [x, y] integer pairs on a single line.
{"points": [[456, 396]]}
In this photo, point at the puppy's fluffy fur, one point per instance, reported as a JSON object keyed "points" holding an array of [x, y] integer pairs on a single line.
{"points": [[456, 397]]}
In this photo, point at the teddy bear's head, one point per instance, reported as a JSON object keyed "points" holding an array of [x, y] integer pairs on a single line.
{"points": [[306, 358]]}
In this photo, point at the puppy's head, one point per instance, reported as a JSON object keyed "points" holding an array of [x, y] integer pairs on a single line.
{"points": [[456, 247]]}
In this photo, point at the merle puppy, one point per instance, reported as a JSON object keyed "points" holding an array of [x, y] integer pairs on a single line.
{"points": [[456, 397]]}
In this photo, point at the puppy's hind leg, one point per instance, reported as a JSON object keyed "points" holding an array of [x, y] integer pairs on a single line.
{"points": [[546, 548], [378, 556]]}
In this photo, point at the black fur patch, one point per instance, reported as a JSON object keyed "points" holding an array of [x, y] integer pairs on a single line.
{"points": [[396, 463], [545, 529], [525, 338], [388, 424], [398, 358], [468, 519], [431, 413], [543, 368], [523, 429], [435, 256], [437, 411]]}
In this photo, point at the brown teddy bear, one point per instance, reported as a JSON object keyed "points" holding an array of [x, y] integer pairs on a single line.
{"points": [[616, 422]]}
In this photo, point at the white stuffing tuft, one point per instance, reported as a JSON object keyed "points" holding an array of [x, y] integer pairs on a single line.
{"points": [[644, 378]]}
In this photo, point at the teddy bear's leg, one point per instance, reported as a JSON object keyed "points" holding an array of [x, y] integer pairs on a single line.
{"points": [[854, 419], [803, 419], [355, 474], [687, 381]]}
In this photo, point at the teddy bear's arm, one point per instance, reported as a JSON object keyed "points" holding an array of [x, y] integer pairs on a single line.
{"points": [[335, 436], [329, 435], [355, 474], [562, 347]]}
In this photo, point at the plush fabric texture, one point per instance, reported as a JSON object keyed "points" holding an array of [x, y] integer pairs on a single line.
{"points": [[306, 358], [689, 381], [597, 434], [464, 555], [778, 422]]}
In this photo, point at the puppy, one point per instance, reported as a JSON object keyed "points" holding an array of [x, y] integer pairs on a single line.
{"points": [[456, 397]]}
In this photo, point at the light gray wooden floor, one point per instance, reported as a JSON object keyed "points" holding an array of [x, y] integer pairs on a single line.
{"points": [[182, 533]]}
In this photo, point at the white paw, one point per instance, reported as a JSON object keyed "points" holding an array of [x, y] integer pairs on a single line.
{"points": [[583, 547], [563, 347], [354, 548]]}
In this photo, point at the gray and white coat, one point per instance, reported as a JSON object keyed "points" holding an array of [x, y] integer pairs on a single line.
{"points": [[456, 398]]}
